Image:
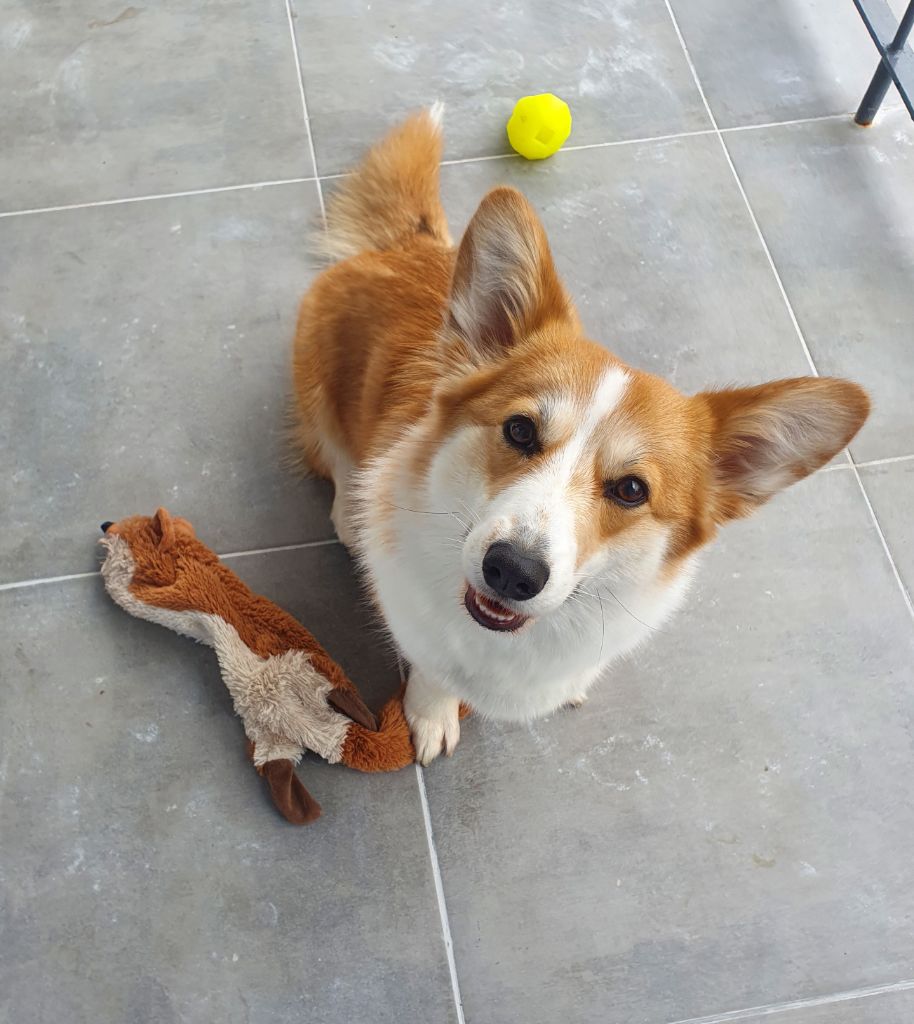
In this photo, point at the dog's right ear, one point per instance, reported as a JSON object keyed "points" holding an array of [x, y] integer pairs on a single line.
{"points": [[505, 283]]}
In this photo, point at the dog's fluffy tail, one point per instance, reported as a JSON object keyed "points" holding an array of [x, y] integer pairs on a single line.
{"points": [[392, 197]]}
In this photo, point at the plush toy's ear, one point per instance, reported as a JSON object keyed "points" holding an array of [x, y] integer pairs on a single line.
{"points": [[352, 706], [292, 800], [164, 528], [171, 529]]}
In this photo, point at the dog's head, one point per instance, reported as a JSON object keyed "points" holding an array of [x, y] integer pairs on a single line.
{"points": [[569, 469]]}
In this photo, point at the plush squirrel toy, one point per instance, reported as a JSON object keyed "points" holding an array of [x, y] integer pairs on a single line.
{"points": [[290, 694]]}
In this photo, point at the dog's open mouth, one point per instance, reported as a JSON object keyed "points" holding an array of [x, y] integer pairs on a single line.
{"points": [[490, 613]]}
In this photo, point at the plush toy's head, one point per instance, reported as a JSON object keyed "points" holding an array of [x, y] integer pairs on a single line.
{"points": [[162, 548], [162, 529], [161, 563]]}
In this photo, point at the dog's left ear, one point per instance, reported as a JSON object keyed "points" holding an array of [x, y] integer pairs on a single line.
{"points": [[505, 283], [765, 438]]}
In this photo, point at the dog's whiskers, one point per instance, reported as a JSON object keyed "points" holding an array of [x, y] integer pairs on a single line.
{"points": [[473, 516], [628, 611], [420, 511], [602, 628], [431, 512]]}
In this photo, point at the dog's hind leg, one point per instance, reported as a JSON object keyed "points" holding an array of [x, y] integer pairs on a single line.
{"points": [[342, 473], [341, 512]]}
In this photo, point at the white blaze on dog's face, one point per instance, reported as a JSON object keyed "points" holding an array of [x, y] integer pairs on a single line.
{"points": [[573, 471]]}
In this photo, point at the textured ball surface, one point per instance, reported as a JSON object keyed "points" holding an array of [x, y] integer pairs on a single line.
{"points": [[539, 126]]}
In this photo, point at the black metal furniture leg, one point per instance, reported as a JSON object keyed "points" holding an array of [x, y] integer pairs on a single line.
{"points": [[879, 86], [874, 95]]}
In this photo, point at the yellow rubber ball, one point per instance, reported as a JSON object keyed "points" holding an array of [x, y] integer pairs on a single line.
{"points": [[539, 126]]}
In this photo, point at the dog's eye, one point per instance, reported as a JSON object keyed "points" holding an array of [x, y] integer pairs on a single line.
{"points": [[628, 491], [520, 433]]}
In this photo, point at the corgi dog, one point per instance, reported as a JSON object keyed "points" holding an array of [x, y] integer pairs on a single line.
{"points": [[525, 506]]}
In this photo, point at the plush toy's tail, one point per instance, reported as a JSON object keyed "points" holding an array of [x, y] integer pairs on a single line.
{"points": [[384, 750], [391, 198]]}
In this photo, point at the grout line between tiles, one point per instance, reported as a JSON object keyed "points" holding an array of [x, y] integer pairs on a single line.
{"points": [[884, 462], [636, 142], [445, 163], [42, 580], [882, 540], [849, 462], [436, 876], [158, 195], [771, 1009], [439, 893], [742, 191], [304, 107], [22, 584], [329, 542], [787, 124], [890, 461], [572, 149], [461, 160]]}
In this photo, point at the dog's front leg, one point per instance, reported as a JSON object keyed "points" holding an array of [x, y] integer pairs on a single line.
{"points": [[433, 716], [579, 688]]}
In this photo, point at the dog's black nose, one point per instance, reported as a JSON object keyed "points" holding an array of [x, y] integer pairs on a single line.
{"points": [[513, 574], [106, 525]]}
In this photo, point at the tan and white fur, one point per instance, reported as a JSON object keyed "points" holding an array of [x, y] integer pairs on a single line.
{"points": [[525, 506]]}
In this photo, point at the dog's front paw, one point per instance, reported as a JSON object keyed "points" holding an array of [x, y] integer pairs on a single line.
{"points": [[430, 735], [434, 721]]}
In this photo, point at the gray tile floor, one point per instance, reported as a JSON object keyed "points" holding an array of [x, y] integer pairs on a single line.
{"points": [[724, 832]]}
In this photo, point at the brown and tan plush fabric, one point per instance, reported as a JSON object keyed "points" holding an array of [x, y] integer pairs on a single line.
{"points": [[290, 694]]}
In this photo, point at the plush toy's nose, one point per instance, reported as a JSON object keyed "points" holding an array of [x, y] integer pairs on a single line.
{"points": [[106, 525]]}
